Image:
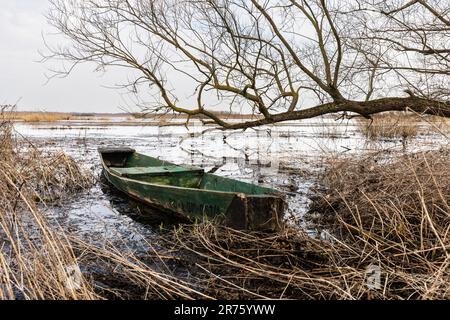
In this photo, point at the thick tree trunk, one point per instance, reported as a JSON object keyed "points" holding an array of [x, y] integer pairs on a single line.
{"points": [[363, 108]]}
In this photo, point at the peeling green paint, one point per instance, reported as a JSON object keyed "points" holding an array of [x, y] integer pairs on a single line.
{"points": [[192, 192]]}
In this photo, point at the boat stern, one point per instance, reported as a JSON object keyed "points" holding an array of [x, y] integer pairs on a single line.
{"points": [[256, 212]]}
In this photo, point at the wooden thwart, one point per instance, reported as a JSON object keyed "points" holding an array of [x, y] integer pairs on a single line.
{"points": [[157, 170]]}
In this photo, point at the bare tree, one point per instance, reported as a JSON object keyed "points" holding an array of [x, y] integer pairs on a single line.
{"points": [[417, 34], [281, 59]]}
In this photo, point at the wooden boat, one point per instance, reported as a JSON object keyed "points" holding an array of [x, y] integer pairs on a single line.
{"points": [[191, 192]]}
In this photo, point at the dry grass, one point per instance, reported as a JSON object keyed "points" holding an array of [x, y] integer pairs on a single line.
{"points": [[36, 259], [395, 214], [40, 116], [54, 116], [121, 274], [39, 259], [390, 213], [390, 126]]}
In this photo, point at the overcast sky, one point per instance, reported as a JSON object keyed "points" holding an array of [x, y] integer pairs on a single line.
{"points": [[22, 76]]}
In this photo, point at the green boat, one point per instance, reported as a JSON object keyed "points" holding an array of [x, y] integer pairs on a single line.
{"points": [[192, 192]]}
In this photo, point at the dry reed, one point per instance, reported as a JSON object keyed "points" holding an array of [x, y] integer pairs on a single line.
{"points": [[390, 126], [391, 214], [40, 116], [36, 260], [39, 259], [395, 214]]}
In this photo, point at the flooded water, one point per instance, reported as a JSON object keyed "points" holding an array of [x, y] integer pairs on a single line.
{"points": [[287, 157]]}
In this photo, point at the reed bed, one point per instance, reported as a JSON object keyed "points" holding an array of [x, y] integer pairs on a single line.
{"points": [[385, 234], [122, 274], [231, 264], [40, 116], [36, 259], [394, 213], [391, 126], [39, 259], [372, 212]]}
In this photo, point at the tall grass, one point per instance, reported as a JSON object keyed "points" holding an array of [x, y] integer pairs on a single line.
{"points": [[36, 258], [40, 116], [39, 259], [393, 214], [390, 126]]}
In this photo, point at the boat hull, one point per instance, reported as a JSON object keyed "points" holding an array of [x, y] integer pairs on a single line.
{"points": [[235, 209]]}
